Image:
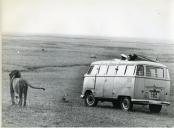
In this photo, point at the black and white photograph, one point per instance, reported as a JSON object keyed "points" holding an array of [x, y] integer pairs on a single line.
{"points": [[87, 63]]}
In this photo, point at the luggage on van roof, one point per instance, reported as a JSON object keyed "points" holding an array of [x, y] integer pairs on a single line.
{"points": [[131, 59], [135, 57]]}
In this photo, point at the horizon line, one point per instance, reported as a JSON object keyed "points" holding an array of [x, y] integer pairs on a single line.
{"points": [[110, 38]]}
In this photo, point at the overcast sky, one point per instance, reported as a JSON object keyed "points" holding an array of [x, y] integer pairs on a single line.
{"points": [[115, 18]]}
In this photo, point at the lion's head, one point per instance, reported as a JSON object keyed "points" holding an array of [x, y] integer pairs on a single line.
{"points": [[15, 74]]}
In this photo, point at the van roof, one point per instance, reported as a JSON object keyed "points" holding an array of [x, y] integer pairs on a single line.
{"points": [[119, 61]]}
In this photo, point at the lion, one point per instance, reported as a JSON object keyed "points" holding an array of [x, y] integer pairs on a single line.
{"points": [[19, 87]]}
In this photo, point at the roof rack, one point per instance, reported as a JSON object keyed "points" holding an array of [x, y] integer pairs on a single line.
{"points": [[135, 57]]}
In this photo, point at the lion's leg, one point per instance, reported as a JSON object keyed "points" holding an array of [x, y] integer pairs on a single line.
{"points": [[12, 98], [12, 94], [20, 98], [25, 95]]}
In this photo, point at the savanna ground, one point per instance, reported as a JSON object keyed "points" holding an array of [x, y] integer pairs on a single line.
{"points": [[58, 64]]}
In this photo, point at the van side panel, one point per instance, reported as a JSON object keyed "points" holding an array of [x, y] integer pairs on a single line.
{"points": [[99, 85], [167, 84], [139, 88], [108, 87], [88, 83], [123, 86]]}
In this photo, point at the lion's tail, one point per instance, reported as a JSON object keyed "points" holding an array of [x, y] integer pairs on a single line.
{"points": [[35, 87]]}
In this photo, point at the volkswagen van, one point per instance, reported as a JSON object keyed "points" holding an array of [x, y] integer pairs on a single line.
{"points": [[125, 82]]}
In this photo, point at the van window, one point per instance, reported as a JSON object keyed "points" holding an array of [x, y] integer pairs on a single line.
{"points": [[160, 73], [130, 70], [150, 71], [103, 69], [121, 70], [95, 70], [168, 77], [112, 70], [154, 72], [140, 70]]}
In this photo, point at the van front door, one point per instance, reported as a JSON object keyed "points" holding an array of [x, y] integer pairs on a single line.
{"points": [[100, 81], [139, 92]]}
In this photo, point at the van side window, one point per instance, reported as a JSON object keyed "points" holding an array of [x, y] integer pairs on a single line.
{"points": [[150, 71], [167, 74], [140, 70], [112, 70], [95, 70], [103, 70], [154, 72], [130, 70], [160, 73], [121, 70]]}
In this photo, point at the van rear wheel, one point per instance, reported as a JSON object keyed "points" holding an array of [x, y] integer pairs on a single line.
{"points": [[126, 104], [90, 100], [155, 108]]}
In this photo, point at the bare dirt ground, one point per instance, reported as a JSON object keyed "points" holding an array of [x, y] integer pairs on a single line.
{"points": [[58, 64]]}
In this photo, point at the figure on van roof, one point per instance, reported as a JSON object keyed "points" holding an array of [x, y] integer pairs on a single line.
{"points": [[132, 57], [129, 57], [135, 57]]}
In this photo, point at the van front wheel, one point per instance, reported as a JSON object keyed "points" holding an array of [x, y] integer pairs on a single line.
{"points": [[126, 104], [90, 100], [155, 108]]}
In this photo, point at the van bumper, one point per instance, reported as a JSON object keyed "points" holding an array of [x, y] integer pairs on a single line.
{"points": [[146, 102], [82, 96]]}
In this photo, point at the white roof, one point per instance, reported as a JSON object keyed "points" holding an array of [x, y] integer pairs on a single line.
{"points": [[119, 61]]}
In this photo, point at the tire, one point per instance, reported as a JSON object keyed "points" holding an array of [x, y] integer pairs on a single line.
{"points": [[90, 100], [126, 104], [155, 108]]}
